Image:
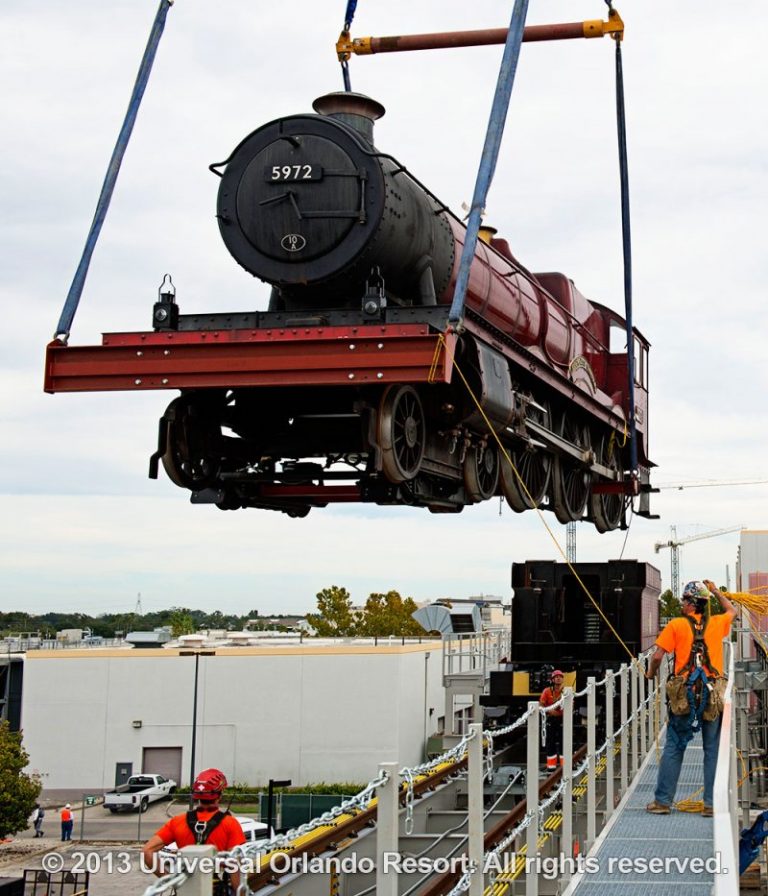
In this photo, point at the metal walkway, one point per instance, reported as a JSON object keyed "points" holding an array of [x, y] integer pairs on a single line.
{"points": [[654, 851]]}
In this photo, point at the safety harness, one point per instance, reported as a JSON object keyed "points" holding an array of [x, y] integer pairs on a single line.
{"points": [[698, 685], [203, 829]]}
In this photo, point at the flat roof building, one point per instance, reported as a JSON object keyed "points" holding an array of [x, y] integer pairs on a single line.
{"points": [[312, 711]]}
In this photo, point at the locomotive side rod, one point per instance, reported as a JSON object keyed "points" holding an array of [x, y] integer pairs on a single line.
{"points": [[444, 40]]}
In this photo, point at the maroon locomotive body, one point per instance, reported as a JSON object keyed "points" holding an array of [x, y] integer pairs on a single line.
{"points": [[353, 386]]}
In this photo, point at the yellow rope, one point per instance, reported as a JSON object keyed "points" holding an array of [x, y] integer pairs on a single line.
{"points": [[439, 345], [752, 603], [756, 603], [691, 805], [535, 507]]}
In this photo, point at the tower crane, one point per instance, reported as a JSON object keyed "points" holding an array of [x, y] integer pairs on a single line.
{"points": [[674, 544], [570, 550]]}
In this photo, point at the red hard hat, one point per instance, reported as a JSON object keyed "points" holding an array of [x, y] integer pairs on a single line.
{"points": [[558, 672], [208, 785]]}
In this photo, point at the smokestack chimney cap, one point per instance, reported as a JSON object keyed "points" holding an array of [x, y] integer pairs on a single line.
{"points": [[346, 103]]}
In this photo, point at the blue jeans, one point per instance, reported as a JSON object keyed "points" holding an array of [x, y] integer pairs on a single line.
{"points": [[679, 735]]}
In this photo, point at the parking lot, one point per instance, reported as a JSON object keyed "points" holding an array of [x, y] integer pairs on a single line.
{"points": [[109, 848]]}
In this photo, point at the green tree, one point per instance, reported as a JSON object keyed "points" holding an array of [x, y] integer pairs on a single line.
{"points": [[18, 790], [388, 614], [335, 617], [669, 605], [181, 622]]}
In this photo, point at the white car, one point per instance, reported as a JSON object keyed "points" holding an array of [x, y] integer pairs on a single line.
{"points": [[138, 792]]}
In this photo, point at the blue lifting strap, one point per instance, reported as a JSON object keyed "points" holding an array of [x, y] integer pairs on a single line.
{"points": [[350, 13], [490, 154], [621, 126], [348, 16], [78, 283]]}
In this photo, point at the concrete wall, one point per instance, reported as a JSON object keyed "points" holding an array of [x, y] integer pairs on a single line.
{"points": [[306, 713]]}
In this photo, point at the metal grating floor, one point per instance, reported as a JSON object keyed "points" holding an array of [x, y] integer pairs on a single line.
{"points": [[638, 837]]}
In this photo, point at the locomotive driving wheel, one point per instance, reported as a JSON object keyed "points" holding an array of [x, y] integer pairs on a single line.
{"points": [[191, 434], [571, 480], [607, 509], [401, 432], [534, 467], [481, 472]]}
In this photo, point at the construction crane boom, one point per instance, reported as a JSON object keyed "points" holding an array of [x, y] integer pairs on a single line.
{"points": [[674, 544]]}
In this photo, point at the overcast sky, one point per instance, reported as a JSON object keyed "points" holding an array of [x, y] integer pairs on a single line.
{"points": [[82, 528]]}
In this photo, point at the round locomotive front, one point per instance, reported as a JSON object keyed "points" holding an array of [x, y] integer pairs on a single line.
{"points": [[307, 204]]}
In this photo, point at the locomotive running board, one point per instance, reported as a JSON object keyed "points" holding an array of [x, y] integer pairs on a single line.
{"points": [[228, 359]]}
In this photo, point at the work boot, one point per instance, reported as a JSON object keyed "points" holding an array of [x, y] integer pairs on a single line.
{"points": [[657, 808]]}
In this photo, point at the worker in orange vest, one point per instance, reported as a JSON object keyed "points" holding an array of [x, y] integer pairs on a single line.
{"points": [[550, 695], [67, 822], [206, 823]]}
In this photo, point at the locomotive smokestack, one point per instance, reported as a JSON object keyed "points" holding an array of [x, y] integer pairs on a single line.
{"points": [[355, 109]]}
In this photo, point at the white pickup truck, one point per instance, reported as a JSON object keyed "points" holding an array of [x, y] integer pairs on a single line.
{"points": [[138, 792]]}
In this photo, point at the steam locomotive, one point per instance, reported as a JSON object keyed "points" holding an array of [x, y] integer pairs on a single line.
{"points": [[352, 386]]}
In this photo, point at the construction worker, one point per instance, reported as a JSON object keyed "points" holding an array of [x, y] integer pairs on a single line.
{"points": [[206, 823], [696, 639], [550, 695]]}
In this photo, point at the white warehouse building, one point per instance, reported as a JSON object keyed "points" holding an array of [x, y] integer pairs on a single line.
{"points": [[308, 712]]}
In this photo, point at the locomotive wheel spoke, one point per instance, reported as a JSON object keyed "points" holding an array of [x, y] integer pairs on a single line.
{"points": [[607, 509], [534, 464], [571, 482], [481, 472], [402, 432]]}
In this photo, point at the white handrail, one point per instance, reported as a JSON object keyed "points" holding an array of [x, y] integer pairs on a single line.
{"points": [[726, 794]]}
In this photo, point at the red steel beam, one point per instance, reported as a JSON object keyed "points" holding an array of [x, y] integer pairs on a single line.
{"points": [[200, 359]]}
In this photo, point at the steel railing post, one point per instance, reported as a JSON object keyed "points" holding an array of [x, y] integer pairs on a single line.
{"points": [[623, 671], [386, 828], [653, 688], [591, 745], [566, 847], [532, 799], [641, 681], [475, 804], [200, 880], [633, 715], [609, 734]]}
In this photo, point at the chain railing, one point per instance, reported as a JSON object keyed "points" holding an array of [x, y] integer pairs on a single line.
{"points": [[637, 729]]}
